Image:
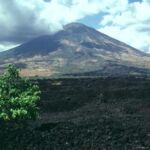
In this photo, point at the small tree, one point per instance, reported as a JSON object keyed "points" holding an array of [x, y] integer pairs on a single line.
{"points": [[18, 96]]}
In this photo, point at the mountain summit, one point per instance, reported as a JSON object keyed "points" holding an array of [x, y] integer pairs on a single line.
{"points": [[76, 50]]}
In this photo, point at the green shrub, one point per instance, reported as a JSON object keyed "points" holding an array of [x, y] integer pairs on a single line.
{"points": [[18, 96]]}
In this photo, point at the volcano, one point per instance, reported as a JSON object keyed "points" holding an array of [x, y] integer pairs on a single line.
{"points": [[76, 50]]}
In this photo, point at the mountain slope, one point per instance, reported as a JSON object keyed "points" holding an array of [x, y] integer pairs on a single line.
{"points": [[76, 49]]}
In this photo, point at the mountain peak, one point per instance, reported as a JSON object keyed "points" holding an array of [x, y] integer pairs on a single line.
{"points": [[75, 27]]}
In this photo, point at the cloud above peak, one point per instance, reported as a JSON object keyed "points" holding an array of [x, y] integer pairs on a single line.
{"points": [[23, 20]]}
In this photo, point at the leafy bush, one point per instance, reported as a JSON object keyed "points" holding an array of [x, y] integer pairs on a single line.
{"points": [[18, 96]]}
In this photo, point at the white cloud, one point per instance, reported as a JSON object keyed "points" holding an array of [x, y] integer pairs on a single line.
{"points": [[44, 16], [130, 24], [6, 45]]}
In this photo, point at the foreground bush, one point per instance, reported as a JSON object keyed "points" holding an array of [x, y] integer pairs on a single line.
{"points": [[18, 97]]}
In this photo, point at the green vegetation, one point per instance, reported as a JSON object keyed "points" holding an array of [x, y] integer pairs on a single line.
{"points": [[18, 97]]}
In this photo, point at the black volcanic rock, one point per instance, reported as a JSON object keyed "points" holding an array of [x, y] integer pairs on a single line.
{"points": [[75, 49]]}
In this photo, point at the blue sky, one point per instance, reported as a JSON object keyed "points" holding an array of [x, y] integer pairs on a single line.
{"points": [[94, 20], [125, 20]]}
